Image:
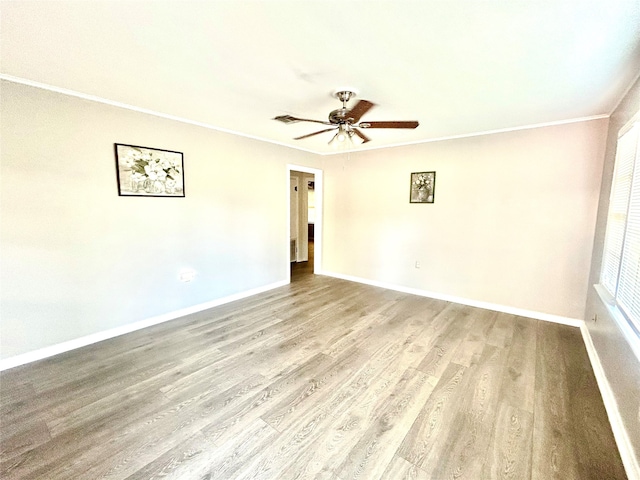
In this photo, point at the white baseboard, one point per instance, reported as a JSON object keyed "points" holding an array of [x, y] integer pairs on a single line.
{"points": [[574, 322], [52, 350], [617, 426]]}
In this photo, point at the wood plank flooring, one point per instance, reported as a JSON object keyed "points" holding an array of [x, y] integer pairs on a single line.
{"points": [[321, 379]]}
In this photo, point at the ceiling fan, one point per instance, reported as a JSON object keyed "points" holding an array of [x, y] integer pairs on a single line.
{"points": [[347, 121]]}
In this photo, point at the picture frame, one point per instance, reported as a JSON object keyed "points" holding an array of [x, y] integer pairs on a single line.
{"points": [[149, 172], [423, 187]]}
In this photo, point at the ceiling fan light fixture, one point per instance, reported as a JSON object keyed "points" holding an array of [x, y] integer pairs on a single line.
{"points": [[343, 137], [343, 132]]}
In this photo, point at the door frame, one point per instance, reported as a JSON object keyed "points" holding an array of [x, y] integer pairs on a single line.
{"points": [[318, 226]]}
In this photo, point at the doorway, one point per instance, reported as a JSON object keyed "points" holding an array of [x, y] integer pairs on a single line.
{"points": [[305, 221]]}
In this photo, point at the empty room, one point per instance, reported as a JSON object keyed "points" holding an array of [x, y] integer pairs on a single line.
{"points": [[327, 240]]}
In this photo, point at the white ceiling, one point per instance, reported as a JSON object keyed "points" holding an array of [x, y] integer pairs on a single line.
{"points": [[458, 67]]}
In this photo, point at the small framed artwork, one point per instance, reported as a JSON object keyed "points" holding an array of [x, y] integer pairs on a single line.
{"points": [[149, 172], [423, 185]]}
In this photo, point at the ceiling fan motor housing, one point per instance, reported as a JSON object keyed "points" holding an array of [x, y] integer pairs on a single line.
{"points": [[338, 116]]}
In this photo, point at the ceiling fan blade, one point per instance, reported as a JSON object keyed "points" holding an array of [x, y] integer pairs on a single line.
{"points": [[360, 108], [407, 124], [364, 138], [314, 133], [290, 119]]}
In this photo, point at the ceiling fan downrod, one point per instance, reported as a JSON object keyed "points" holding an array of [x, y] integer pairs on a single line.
{"points": [[344, 96]]}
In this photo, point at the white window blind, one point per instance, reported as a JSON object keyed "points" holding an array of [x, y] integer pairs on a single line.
{"points": [[621, 258]]}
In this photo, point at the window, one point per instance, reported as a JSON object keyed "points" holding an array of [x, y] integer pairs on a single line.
{"points": [[620, 273]]}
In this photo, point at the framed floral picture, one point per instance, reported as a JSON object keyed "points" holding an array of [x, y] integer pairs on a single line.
{"points": [[423, 186], [149, 172]]}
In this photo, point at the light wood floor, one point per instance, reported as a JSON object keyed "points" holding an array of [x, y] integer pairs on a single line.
{"points": [[321, 379]]}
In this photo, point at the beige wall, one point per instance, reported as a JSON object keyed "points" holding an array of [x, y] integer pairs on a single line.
{"points": [[615, 354], [78, 259], [512, 223]]}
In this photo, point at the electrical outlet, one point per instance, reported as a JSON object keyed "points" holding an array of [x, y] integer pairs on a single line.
{"points": [[417, 264], [186, 275]]}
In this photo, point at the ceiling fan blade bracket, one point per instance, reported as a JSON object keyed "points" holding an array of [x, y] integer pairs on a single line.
{"points": [[291, 119], [315, 133]]}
